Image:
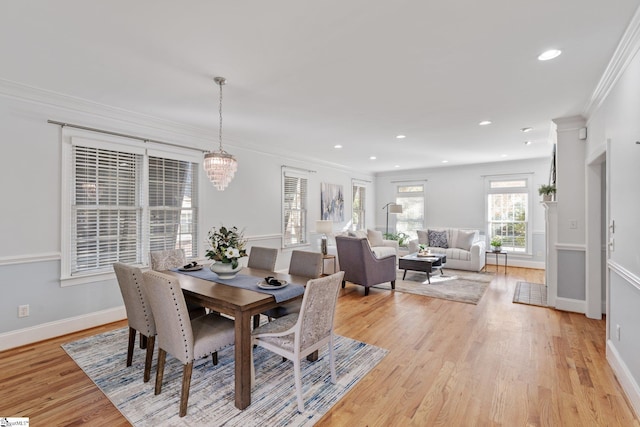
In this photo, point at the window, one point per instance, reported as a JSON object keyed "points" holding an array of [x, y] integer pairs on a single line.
{"points": [[124, 200], [411, 197], [508, 211], [358, 207], [294, 209]]}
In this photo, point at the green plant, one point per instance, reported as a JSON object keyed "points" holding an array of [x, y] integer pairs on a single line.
{"points": [[496, 241], [547, 189], [401, 237]]}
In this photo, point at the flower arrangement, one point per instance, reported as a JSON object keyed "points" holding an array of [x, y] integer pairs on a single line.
{"points": [[227, 245]]}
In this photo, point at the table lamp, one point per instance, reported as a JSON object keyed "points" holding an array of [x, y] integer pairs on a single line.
{"points": [[325, 227]]}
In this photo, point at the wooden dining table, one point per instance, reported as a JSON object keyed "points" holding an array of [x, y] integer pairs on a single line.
{"points": [[242, 304]]}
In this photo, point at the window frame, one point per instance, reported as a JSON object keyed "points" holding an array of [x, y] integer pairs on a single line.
{"points": [[71, 137], [304, 208], [406, 194], [362, 212], [528, 190]]}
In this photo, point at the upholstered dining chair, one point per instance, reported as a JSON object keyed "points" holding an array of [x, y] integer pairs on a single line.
{"points": [[305, 264], [361, 266], [173, 258], [139, 313], [263, 258], [297, 335], [186, 340]]}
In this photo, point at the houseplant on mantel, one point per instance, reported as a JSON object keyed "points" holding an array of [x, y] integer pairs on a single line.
{"points": [[547, 192], [227, 247]]}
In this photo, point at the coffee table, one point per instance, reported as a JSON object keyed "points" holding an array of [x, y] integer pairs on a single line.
{"points": [[419, 263]]}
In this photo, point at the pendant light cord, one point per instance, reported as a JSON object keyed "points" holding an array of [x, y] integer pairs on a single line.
{"points": [[220, 83]]}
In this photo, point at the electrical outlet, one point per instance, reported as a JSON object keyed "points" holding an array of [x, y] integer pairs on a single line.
{"points": [[573, 224], [23, 310], [618, 332]]}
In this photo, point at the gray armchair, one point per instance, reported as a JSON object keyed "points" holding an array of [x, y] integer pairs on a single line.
{"points": [[361, 266]]}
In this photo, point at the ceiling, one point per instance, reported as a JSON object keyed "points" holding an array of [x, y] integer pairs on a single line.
{"points": [[304, 76]]}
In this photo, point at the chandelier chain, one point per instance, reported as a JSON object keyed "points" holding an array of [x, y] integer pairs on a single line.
{"points": [[220, 114]]}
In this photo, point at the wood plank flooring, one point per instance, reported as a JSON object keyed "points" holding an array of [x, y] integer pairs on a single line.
{"points": [[449, 364]]}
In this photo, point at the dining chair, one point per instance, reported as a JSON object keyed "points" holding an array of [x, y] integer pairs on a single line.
{"points": [[173, 258], [185, 339], [139, 313], [297, 335], [303, 263], [263, 258]]}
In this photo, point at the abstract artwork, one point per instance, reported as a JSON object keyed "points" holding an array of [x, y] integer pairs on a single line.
{"points": [[332, 202]]}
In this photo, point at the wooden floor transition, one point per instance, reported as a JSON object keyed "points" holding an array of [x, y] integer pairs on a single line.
{"points": [[449, 364]]}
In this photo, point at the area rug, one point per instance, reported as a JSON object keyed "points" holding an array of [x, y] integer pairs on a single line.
{"points": [[530, 294], [452, 285], [211, 400]]}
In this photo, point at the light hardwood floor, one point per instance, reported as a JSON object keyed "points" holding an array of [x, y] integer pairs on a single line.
{"points": [[449, 364]]}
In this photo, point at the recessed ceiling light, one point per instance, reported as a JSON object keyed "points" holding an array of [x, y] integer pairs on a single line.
{"points": [[527, 143], [337, 146], [396, 166], [401, 136], [503, 155], [549, 54], [372, 158], [526, 129], [485, 122], [445, 161]]}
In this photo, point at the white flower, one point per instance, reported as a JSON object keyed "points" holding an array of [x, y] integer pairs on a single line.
{"points": [[232, 253]]}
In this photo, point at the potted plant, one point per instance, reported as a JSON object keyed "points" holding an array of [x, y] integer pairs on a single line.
{"points": [[496, 243], [227, 247], [402, 238], [547, 192]]}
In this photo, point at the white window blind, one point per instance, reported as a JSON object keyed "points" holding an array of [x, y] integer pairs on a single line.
{"points": [[294, 209], [106, 209], [358, 207]]}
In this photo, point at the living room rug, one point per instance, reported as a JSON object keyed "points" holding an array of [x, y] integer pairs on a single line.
{"points": [[530, 294], [211, 399], [453, 285]]}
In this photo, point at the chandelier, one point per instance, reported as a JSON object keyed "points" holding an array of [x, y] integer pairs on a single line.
{"points": [[220, 165]]}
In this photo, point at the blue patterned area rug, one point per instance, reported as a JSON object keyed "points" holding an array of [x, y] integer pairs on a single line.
{"points": [[211, 400]]}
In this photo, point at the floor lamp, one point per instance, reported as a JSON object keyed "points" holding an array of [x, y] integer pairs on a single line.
{"points": [[392, 208]]}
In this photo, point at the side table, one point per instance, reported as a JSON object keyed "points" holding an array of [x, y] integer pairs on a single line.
{"points": [[326, 257], [497, 263]]}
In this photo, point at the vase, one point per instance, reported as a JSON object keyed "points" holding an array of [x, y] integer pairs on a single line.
{"points": [[225, 270], [496, 248]]}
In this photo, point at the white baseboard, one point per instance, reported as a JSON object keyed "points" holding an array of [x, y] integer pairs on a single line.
{"points": [[539, 265], [573, 305], [60, 327], [629, 385]]}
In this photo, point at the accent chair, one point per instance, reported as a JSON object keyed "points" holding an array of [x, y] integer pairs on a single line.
{"points": [[361, 266]]}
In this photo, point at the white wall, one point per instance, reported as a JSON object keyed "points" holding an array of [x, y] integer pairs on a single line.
{"points": [[30, 223], [454, 197], [616, 124]]}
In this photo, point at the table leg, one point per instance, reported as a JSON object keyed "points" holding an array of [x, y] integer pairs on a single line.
{"points": [[404, 275], [505, 263], [242, 359]]}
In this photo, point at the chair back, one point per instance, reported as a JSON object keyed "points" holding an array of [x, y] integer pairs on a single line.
{"points": [[352, 252], [165, 260], [139, 312], [263, 258], [306, 264], [315, 321], [173, 325]]}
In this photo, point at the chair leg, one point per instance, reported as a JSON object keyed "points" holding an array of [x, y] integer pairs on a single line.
{"points": [[344, 283], [143, 341], [366, 291], [332, 360], [132, 343], [297, 375], [186, 384], [214, 356], [151, 341], [393, 284], [162, 356], [256, 321]]}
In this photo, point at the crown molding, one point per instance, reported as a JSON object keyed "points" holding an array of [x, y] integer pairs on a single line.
{"points": [[564, 124], [623, 55]]}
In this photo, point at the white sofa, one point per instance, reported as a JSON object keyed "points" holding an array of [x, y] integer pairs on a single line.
{"points": [[464, 248], [379, 246]]}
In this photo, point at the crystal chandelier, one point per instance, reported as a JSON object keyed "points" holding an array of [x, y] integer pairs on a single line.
{"points": [[220, 165]]}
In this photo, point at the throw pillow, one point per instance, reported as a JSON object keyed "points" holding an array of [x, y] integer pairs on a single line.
{"points": [[423, 237], [375, 238], [465, 239], [438, 239]]}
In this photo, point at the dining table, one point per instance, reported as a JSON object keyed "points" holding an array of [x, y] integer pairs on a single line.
{"points": [[241, 304]]}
